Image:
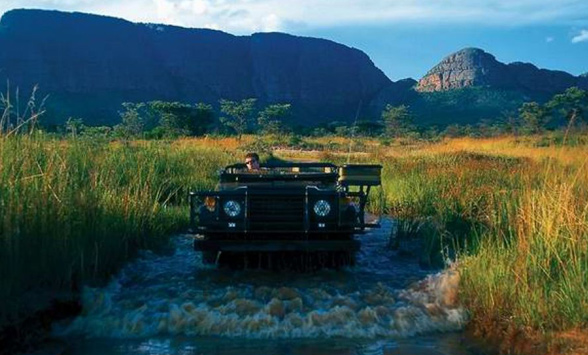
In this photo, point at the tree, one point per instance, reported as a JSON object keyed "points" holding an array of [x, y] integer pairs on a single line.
{"points": [[239, 114], [271, 119], [74, 126], [176, 118], [133, 123], [534, 117], [453, 130], [343, 131], [572, 105], [203, 118], [368, 128], [396, 120], [510, 121]]}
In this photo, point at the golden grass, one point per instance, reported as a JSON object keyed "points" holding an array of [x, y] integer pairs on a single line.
{"points": [[515, 211]]}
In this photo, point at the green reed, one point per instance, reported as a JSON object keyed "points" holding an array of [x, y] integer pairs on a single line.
{"points": [[72, 211], [518, 227]]}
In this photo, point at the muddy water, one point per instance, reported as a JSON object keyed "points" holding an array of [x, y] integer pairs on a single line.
{"points": [[173, 304]]}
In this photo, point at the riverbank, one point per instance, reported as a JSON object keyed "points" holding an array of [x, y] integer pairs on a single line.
{"points": [[31, 332], [505, 338]]}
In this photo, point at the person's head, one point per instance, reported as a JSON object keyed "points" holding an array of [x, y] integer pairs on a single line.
{"points": [[252, 161]]}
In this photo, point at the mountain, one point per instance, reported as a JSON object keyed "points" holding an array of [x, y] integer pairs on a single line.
{"points": [[473, 67], [470, 86], [90, 64]]}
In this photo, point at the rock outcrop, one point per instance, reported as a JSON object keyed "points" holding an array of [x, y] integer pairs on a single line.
{"points": [[473, 67], [90, 64]]}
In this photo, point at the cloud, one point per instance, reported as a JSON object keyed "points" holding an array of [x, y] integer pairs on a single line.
{"points": [[581, 37], [271, 23], [246, 16], [549, 39], [197, 7]]}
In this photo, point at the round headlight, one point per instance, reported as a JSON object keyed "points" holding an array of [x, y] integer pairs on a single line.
{"points": [[232, 208], [322, 208]]}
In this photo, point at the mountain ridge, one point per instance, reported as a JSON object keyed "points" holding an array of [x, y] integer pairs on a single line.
{"points": [[90, 64], [103, 61]]}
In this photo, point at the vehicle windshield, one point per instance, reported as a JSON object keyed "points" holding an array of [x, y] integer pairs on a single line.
{"points": [[284, 169], [315, 173]]}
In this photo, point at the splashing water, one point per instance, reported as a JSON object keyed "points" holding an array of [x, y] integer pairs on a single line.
{"points": [[384, 296]]}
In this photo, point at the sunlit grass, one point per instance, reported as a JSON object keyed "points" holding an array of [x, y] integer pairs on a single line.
{"points": [[513, 211], [519, 214]]}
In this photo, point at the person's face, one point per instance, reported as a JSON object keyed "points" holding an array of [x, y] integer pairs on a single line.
{"points": [[252, 163]]}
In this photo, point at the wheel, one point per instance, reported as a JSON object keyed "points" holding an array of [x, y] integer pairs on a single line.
{"points": [[209, 257]]}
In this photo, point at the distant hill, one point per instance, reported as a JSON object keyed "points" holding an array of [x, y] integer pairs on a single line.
{"points": [[472, 67], [470, 85], [90, 64]]}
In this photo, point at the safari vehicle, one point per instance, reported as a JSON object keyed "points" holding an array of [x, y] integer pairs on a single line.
{"points": [[306, 210]]}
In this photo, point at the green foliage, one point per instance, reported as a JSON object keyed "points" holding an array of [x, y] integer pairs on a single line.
{"points": [[159, 119], [453, 130], [271, 119], [177, 119], [534, 117], [99, 132], [368, 128], [465, 106], [343, 131], [133, 118], [509, 120], [74, 126], [73, 211], [239, 114], [572, 105], [396, 120]]}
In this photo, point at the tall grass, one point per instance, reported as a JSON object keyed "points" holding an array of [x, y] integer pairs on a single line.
{"points": [[72, 211], [531, 266], [517, 213]]}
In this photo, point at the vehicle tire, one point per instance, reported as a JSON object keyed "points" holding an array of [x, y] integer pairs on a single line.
{"points": [[209, 257]]}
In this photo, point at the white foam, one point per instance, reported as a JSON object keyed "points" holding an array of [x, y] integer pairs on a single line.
{"points": [[175, 294], [263, 312]]}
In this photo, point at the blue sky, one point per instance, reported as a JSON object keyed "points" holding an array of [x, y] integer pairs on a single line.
{"points": [[404, 38]]}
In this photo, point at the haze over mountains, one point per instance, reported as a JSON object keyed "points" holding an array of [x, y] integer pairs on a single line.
{"points": [[90, 64]]}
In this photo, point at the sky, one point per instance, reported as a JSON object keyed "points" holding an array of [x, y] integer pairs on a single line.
{"points": [[404, 38]]}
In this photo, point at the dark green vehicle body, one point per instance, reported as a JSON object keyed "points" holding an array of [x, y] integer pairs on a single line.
{"points": [[283, 207]]}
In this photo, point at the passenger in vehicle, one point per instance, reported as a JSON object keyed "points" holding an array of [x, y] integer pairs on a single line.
{"points": [[252, 161]]}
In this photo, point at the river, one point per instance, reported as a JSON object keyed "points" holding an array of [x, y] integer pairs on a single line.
{"points": [[172, 304]]}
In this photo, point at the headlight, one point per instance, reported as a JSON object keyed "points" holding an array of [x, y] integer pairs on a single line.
{"points": [[322, 208], [232, 208]]}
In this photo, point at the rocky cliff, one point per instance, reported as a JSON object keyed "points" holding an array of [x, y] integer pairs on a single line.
{"points": [[91, 64], [472, 67]]}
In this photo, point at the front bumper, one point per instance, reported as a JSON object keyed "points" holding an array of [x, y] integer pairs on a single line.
{"points": [[202, 244]]}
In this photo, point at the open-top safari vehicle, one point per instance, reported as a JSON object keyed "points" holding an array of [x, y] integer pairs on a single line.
{"points": [[309, 211]]}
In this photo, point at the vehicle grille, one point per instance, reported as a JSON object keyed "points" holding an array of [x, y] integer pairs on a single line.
{"points": [[271, 212]]}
